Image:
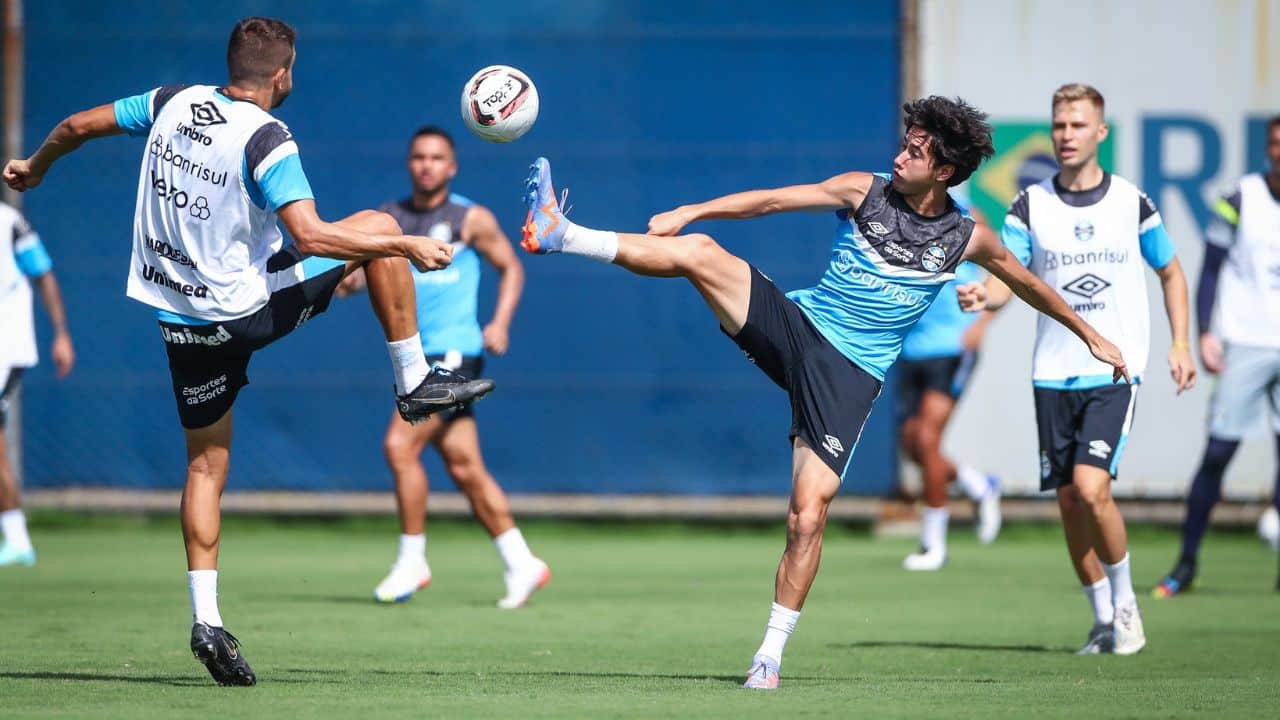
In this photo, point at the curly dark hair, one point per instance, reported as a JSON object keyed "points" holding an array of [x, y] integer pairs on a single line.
{"points": [[959, 134]]}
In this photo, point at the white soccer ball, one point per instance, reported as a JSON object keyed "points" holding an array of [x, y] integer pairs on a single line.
{"points": [[499, 103]]}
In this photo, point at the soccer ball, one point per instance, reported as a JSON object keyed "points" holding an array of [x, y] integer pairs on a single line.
{"points": [[499, 103]]}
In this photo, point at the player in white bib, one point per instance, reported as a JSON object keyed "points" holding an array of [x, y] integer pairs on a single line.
{"points": [[1088, 233], [23, 263], [207, 255], [1241, 344]]}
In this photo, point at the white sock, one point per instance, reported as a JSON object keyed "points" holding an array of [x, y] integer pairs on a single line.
{"points": [[14, 525], [973, 482], [599, 245], [782, 622], [1099, 596], [1121, 584], [408, 363], [413, 548], [933, 528], [514, 550], [204, 597]]}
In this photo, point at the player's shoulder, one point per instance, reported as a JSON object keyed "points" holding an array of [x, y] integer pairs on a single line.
{"points": [[463, 201]]}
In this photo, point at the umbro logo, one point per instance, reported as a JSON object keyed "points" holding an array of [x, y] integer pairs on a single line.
{"points": [[876, 228], [205, 114], [1086, 285], [1099, 449], [833, 446]]}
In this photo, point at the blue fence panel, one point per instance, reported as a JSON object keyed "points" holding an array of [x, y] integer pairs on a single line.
{"points": [[613, 383]]}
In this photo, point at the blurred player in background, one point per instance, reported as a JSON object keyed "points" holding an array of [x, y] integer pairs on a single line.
{"points": [[452, 338], [937, 360], [210, 258], [1086, 233], [23, 263], [898, 239], [1240, 275]]}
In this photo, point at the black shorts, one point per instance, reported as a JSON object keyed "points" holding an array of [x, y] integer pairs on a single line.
{"points": [[831, 397], [947, 374], [209, 363], [471, 366], [1082, 427], [10, 387]]}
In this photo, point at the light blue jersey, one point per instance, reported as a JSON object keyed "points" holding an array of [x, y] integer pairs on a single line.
{"points": [[888, 264], [939, 331], [447, 299]]}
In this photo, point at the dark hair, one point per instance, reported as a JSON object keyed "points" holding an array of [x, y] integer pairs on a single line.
{"points": [[1273, 122], [959, 134], [430, 131], [258, 48]]}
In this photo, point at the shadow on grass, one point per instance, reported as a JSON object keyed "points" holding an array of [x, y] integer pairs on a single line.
{"points": [[583, 674], [951, 646], [171, 680]]}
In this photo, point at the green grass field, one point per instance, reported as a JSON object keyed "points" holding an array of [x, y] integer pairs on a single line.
{"points": [[639, 621]]}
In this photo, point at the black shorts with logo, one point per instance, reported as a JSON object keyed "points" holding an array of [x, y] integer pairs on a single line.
{"points": [[209, 363], [831, 397], [7, 391], [469, 365], [948, 375], [1082, 427]]}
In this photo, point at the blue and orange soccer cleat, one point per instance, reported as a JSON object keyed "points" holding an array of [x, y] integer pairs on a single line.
{"points": [[763, 674], [1179, 580], [545, 225]]}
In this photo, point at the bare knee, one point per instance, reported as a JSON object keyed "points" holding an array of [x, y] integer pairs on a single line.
{"points": [[1094, 495], [376, 221], [400, 448], [699, 251], [805, 524]]}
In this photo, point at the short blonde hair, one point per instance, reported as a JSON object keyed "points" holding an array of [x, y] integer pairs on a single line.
{"points": [[1072, 92]]}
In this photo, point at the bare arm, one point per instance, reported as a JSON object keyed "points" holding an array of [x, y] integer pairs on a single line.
{"points": [[71, 133], [844, 191], [64, 356], [481, 228], [985, 249], [1174, 284], [314, 236]]}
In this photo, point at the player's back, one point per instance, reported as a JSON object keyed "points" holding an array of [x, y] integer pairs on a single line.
{"points": [[888, 263], [204, 226], [447, 298]]}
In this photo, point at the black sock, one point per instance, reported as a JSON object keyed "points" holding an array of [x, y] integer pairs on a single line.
{"points": [[1206, 490]]}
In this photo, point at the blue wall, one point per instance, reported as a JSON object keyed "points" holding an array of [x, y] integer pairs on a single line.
{"points": [[613, 383]]}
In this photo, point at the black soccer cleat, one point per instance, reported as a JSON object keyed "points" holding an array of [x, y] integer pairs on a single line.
{"points": [[1179, 580], [441, 390], [219, 651]]}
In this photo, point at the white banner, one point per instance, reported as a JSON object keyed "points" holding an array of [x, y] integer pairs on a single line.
{"points": [[1189, 87]]}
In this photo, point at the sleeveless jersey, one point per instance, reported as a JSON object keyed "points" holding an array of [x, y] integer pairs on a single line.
{"points": [[1247, 225], [213, 174], [887, 265], [22, 257], [1089, 246], [446, 298]]}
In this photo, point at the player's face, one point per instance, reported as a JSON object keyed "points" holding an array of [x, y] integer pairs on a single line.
{"points": [[431, 163], [1273, 149], [913, 169], [1078, 129], [283, 84]]}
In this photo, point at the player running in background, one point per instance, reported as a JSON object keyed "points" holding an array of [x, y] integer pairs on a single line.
{"points": [[898, 239], [452, 338], [209, 257], [23, 263], [937, 359], [1241, 275], [1086, 233]]}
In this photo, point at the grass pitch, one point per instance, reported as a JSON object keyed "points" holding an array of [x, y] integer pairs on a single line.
{"points": [[638, 621]]}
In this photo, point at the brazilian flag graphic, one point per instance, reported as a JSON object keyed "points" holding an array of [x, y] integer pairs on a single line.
{"points": [[1024, 156]]}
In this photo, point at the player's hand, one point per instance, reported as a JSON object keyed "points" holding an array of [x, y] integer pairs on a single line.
{"points": [[64, 355], [668, 223], [972, 297], [427, 254], [1182, 368], [1211, 353], [496, 338], [20, 176], [1109, 354], [351, 284]]}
